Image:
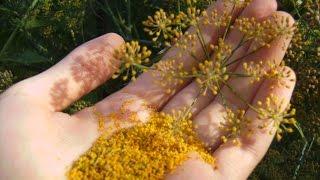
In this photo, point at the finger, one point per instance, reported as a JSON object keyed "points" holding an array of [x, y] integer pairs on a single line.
{"points": [[259, 9], [146, 86], [255, 146], [191, 169], [78, 73], [210, 118], [244, 86], [249, 154]]}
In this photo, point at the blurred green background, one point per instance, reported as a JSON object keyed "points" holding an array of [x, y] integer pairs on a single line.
{"points": [[36, 34]]}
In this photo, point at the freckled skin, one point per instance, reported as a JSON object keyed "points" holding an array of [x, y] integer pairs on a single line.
{"points": [[59, 93]]}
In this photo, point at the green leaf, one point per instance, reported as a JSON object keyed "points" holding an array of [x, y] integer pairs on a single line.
{"points": [[27, 57]]}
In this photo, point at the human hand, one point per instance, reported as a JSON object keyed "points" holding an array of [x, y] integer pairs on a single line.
{"points": [[38, 141]]}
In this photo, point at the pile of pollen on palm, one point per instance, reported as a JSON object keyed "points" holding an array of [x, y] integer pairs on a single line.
{"points": [[145, 151]]}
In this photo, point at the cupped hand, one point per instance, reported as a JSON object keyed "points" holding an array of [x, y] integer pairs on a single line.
{"points": [[38, 141]]}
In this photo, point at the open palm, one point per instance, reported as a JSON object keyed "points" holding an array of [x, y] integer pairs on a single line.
{"points": [[40, 142]]}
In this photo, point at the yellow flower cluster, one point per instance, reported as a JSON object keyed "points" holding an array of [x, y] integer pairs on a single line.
{"points": [[187, 44], [213, 71], [259, 71], [170, 74], [222, 51], [165, 26], [132, 57], [170, 27], [213, 18], [263, 33], [146, 151], [256, 71], [236, 124], [193, 16], [209, 76], [271, 112]]}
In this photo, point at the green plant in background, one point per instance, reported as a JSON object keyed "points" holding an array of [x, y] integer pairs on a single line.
{"points": [[34, 35], [6, 80], [41, 26], [79, 105]]}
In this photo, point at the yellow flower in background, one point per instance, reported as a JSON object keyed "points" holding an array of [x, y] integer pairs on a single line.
{"points": [[132, 58]]}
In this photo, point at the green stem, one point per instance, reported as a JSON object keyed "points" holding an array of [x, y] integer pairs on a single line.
{"points": [[297, 126], [247, 55], [241, 43], [300, 131], [229, 22], [224, 101], [113, 17], [194, 57], [141, 66], [201, 39], [240, 97], [193, 103], [135, 30], [129, 16], [142, 41], [238, 75], [302, 157]]}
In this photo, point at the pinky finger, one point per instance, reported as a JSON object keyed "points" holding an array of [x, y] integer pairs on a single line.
{"points": [[238, 162]]}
